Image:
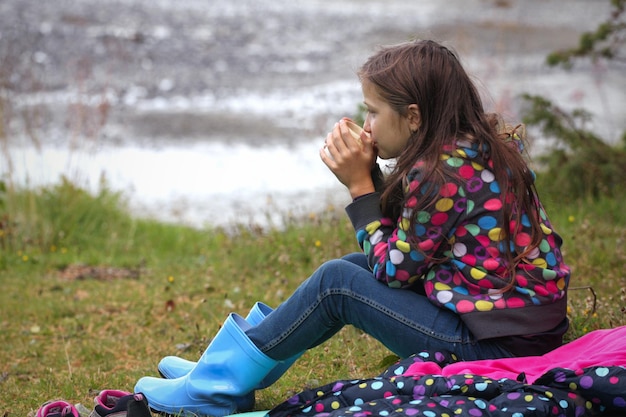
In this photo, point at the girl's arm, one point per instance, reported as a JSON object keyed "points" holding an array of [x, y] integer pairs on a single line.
{"points": [[392, 258]]}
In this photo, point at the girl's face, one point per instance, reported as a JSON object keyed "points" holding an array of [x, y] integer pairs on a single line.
{"points": [[389, 130]]}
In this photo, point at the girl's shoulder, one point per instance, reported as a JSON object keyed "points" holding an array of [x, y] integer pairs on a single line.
{"points": [[464, 153], [465, 149], [457, 162]]}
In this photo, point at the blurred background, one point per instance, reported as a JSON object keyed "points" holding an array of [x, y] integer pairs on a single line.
{"points": [[213, 111]]}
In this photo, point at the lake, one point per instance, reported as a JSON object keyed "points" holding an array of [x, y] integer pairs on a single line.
{"points": [[213, 112]]}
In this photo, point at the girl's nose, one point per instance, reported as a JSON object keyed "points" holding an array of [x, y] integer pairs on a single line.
{"points": [[366, 125]]}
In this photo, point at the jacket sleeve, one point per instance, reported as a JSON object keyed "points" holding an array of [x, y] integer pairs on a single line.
{"points": [[394, 259]]}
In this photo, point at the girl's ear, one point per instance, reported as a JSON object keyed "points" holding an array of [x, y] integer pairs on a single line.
{"points": [[415, 118]]}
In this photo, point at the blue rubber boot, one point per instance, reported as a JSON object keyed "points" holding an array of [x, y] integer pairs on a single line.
{"points": [[230, 368], [175, 367]]}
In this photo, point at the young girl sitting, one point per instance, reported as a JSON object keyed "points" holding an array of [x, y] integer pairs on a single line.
{"points": [[458, 252]]}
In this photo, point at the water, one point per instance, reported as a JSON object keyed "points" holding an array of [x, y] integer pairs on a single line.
{"points": [[211, 112]]}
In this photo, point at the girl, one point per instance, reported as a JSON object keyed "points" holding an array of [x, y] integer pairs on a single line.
{"points": [[458, 253]]}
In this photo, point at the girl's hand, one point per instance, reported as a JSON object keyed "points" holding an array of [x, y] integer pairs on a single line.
{"points": [[350, 161]]}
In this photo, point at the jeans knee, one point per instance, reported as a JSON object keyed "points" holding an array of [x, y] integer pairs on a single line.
{"points": [[338, 274], [331, 271]]}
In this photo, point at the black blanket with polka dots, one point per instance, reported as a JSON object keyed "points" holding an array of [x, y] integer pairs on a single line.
{"points": [[597, 390]]}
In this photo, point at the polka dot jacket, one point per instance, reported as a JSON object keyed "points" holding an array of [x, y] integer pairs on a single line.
{"points": [[461, 231]]}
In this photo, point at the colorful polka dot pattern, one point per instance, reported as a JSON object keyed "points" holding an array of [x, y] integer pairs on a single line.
{"points": [[464, 228], [560, 392]]}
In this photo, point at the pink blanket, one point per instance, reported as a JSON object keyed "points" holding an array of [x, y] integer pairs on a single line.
{"points": [[597, 348]]}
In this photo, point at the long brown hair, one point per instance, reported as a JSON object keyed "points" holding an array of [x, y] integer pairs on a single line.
{"points": [[430, 75]]}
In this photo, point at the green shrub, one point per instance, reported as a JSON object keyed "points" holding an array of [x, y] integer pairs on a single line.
{"points": [[580, 164]]}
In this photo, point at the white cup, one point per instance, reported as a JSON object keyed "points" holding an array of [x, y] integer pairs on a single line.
{"points": [[355, 130]]}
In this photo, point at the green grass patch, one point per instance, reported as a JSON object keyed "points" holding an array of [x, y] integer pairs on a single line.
{"points": [[92, 298]]}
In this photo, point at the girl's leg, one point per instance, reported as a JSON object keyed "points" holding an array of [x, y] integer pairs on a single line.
{"points": [[342, 292]]}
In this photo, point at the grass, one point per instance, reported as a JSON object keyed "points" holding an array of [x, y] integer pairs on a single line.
{"points": [[92, 298]]}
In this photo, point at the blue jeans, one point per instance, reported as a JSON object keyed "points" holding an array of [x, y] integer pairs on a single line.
{"points": [[343, 291]]}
